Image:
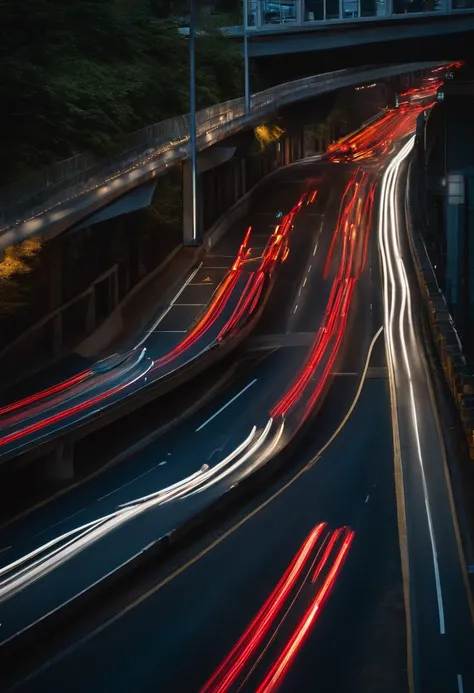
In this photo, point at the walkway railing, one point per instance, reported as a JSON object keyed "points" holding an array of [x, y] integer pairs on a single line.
{"points": [[50, 186]]}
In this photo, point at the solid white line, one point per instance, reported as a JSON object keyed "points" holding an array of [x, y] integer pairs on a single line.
{"points": [[165, 312], [460, 683], [211, 418]]}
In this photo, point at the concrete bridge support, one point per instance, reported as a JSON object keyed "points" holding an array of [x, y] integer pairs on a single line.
{"points": [[207, 160], [59, 467], [55, 262]]}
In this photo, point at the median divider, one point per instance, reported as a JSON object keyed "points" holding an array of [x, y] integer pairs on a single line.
{"points": [[441, 326]]}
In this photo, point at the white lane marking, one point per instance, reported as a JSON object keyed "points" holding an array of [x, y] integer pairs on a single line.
{"points": [[296, 308], [165, 312], [162, 463], [56, 524], [460, 683], [309, 269], [367, 499], [211, 418], [304, 282], [392, 260], [119, 488], [315, 248], [219, 449]]}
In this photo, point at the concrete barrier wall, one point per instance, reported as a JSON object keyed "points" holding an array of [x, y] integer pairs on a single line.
{"points": [[441, 325]]}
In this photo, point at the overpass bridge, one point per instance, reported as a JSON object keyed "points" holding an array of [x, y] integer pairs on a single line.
{"points": [[82, 191], [286, 27]]}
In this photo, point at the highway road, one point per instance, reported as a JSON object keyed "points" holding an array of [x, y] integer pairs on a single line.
{"points": [[347, 573], [217, 298], [441, 603], [176, 637], [207, 437]]}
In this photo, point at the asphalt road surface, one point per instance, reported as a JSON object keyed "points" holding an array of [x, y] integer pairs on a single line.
{"points": [[175, 626]]}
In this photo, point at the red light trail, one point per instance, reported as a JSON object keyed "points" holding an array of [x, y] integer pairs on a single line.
{"points": [[321, 556]]}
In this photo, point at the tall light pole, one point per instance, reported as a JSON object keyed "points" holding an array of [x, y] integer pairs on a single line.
{"points": [[246, 57], [192, 124]]}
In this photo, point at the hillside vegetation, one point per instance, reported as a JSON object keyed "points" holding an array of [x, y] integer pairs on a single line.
{"points": [[77, 75]]}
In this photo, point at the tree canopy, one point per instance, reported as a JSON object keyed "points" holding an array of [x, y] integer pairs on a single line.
{"points": [[78, 75]]}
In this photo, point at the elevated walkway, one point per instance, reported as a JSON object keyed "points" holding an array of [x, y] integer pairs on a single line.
{"points": [[62, 196]]}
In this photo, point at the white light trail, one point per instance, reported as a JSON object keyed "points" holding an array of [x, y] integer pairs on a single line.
{"points": [[34, 565], [397, 292]]}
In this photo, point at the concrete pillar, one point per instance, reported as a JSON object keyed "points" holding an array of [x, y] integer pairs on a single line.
{"points": [[308, 141], [55, 280], [229, 186], [90, 315], [60, 464], [57, 335], [469, 207], [455, 242], [287, 151], [243, 173], [188, 238], [236, 176], [55, 269]]}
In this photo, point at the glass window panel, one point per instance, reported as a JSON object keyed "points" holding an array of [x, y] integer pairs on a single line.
{"points": [[368, 8], [462, 4], [332, 9], [411, 6], [350, 8], [313, 10], [252, 12], [278, 11]]}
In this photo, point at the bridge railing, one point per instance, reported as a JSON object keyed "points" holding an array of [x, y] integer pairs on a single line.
{"points": [[65, 180]]}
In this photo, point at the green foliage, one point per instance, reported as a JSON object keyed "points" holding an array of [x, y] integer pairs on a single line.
{"points": [[78, 75]]}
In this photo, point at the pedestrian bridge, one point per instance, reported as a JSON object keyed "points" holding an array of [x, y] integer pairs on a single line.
{"points": [[277, 27], [62, 196]]}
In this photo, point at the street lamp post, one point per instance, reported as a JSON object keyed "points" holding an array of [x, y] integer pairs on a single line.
{"points": [[192, 124], [246, 57]]}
